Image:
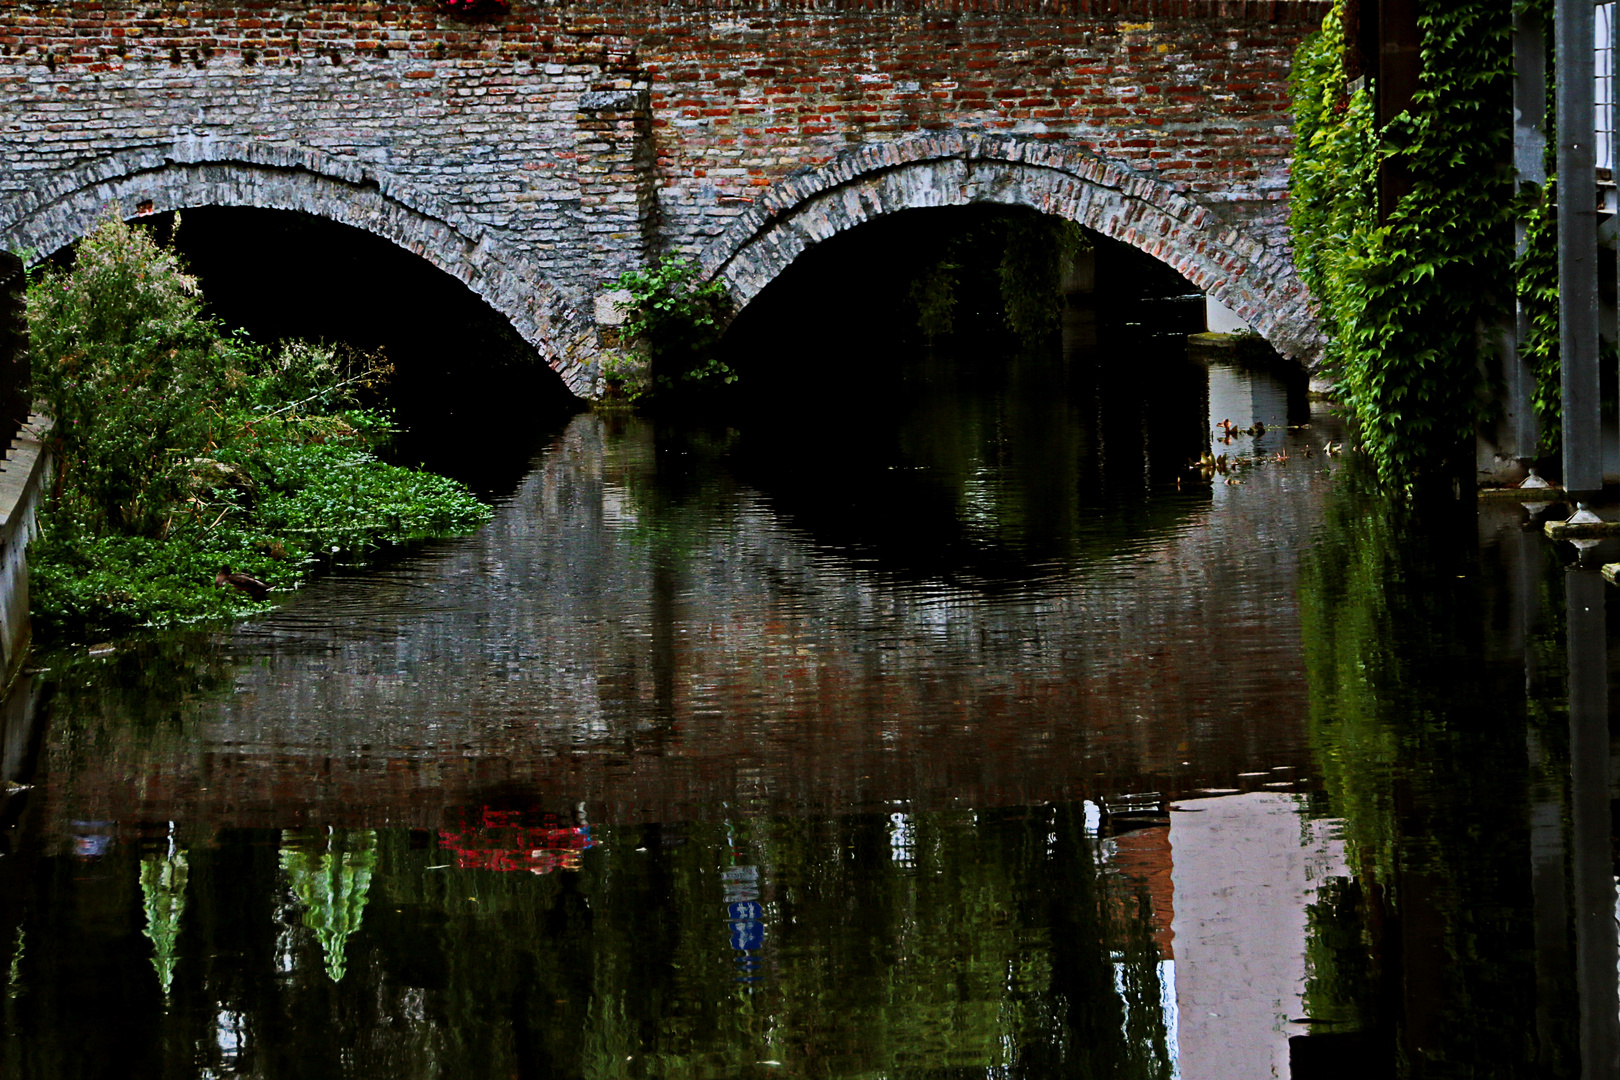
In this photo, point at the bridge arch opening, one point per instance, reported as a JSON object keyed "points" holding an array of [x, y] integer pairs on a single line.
{"points": [[470, 396], [974, 448], [56, 212], [1250, 274]]}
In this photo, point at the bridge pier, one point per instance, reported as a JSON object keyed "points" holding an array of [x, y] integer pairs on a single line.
{"points": [[616, 165]]}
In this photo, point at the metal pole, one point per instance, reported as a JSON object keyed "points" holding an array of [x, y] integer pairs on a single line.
{"points": [[1574, 30], [1591, 861], [1614, 125], [1522, 432]]}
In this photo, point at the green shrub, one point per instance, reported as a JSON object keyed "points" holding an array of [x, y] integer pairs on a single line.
{"points": [[126, 364], [1036, 252], [675, 322], [181, 450]]}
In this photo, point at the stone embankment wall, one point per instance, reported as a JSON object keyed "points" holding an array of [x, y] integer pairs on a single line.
{"points": [[14, 401], [23, 472], [539, 153]]}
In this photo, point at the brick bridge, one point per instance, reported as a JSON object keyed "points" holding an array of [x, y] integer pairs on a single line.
{"points": [[537, 153]]}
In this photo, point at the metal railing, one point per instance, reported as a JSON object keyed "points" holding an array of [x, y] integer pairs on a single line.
{"points": [[1603, 65]]}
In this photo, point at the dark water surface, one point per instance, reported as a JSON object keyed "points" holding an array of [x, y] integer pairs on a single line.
{"points": [[802, 748]]}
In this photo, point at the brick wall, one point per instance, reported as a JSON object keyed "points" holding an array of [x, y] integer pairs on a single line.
{"points": [[652, 124]]}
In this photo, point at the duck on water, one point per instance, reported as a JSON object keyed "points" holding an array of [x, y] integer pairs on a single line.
{"points": [[245, 582]]}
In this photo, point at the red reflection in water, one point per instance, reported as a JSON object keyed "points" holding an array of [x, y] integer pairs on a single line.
{"points": [[485, 838]]}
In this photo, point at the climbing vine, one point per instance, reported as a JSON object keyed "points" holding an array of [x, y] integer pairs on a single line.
{"points": [[1406, 301], [1536, 276]]}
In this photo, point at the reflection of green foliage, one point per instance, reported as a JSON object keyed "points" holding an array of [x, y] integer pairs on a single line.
{"points": [[970, 944], [1417, 748], [14, 972], [331, 875], [131, 713], [163, 897], [1340, 975], [998, 944], [1352, 651], [147, 682]]}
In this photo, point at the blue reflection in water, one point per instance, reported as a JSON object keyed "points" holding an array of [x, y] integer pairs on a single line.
{"points": [[745, 917]]}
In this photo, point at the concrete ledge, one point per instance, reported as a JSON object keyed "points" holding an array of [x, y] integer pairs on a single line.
{"points": [[1563, 530], [1213, 341], [23, 476], [1521, 495], [19, 471]]}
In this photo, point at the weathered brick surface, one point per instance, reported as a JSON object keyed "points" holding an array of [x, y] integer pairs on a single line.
{"points": [[539, 154]]}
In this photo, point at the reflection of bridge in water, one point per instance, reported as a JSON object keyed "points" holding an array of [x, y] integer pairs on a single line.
{"points": [[561, 654]]}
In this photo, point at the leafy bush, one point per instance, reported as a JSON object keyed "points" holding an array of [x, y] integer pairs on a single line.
{"points": [[1037, 251], [126, 365], [675, 322], [181, 449]]}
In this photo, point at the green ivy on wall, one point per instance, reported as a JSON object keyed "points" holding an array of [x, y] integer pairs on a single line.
{"points": [[1407, 302], [1536, 277]]}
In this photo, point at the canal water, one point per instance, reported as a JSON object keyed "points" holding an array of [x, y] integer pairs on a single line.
{"points": [[959, 730]]}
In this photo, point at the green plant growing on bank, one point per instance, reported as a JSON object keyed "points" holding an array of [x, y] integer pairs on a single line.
{"points": [[181, 449], [675, 322], [624, 377], [126, 364], [1407, 302]]}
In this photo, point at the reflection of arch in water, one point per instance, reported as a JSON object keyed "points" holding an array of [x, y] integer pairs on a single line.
{"points": [[60, 210], [876, 180]]}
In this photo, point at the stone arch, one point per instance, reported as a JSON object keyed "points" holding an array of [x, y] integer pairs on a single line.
{"points": [[953, 169], [64, 206]]}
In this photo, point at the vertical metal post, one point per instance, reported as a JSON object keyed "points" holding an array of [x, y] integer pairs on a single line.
{"points": [[1614, 124], [1596, 943], [1573, 38], [1521, 432]]}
